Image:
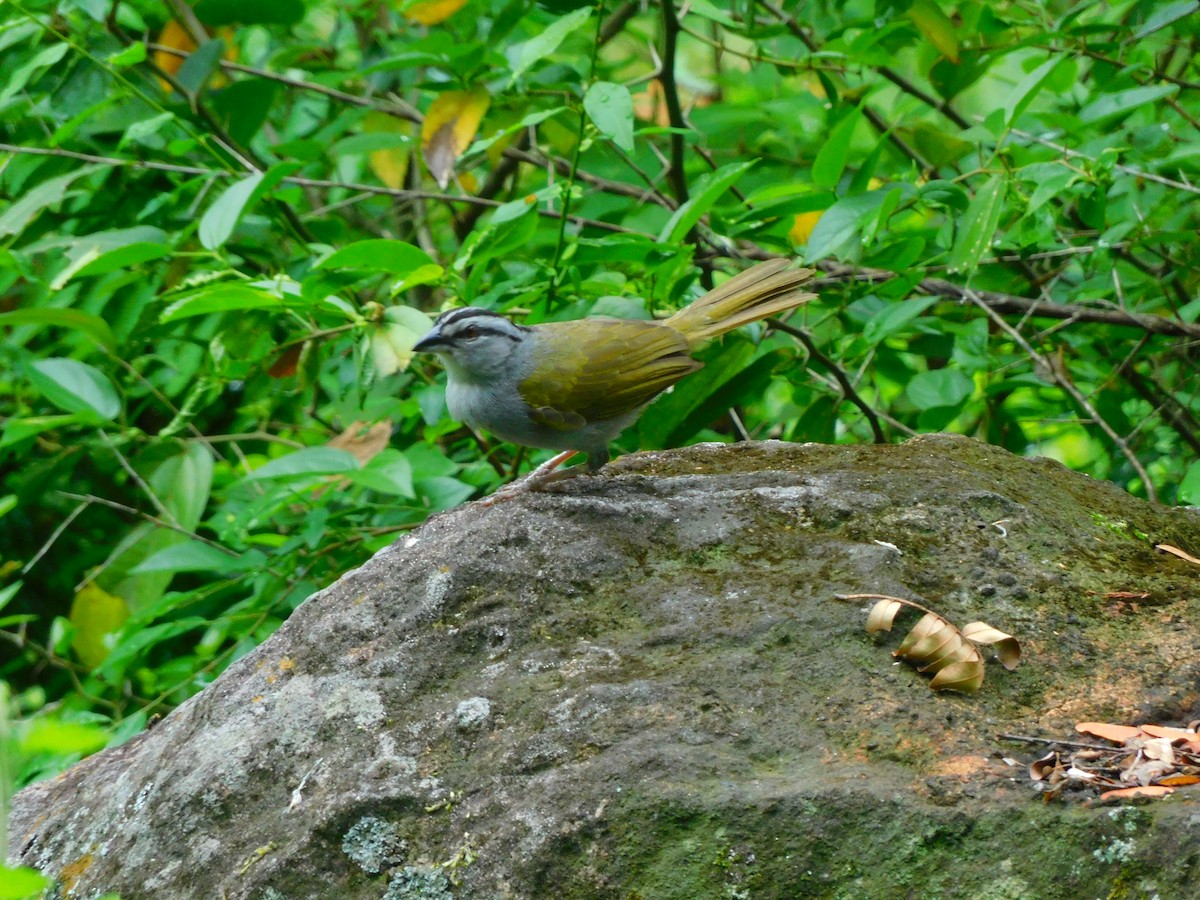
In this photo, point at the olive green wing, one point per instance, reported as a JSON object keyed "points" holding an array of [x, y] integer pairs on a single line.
{"points": [[597, 369]]}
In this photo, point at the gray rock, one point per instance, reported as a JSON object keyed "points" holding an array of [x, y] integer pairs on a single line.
{"points": [[676, 704]]}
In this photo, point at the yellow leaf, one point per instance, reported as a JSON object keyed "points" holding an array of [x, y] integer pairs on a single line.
{"points": [[176, 37], [802, 229], [430, 12], [96, 614], [935, 25], [390, 164], [449, 128]]}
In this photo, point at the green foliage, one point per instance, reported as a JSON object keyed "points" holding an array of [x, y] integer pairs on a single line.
{"points": [[214, 264]]}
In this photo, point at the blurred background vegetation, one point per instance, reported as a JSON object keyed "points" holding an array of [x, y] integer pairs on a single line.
{"points": [[222, 226]]}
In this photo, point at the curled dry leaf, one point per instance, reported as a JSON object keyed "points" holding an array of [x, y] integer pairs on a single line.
{"points": [[1048, 768], [1175, 551], [939, 647], [883, 614], [1006, 647]]}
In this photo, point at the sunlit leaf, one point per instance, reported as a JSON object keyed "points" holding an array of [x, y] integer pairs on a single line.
{"points": [[935, 25], [389, 163], [449, 128], [431, 12], [96, 614]]}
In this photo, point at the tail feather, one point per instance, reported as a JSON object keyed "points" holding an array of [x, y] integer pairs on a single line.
{"points": [[768, 289]]}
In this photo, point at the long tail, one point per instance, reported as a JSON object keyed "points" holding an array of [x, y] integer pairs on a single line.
{"points": [[765, 290]]}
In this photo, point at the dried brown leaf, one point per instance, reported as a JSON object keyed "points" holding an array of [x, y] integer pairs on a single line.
{"points": [[1118, 734], [363, 442], [965, 677], [1006, 647], [1175, 551], [1190, 738], [883, 615], [1159, 748], [1144, 791], [954, 650], [1179, 780], [930, 624], [1046, 766]]}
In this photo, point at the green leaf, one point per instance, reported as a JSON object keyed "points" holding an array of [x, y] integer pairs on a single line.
{"points": [[1030, 86], [841, 224], [939, 388], [219, 220], [1124, 102], [978, 226], [260, 12], [200, 65], [194, 556], [1166, 15], [21, 212], [130, 56], [542, 45], [93, 326], [306, 463], [76, 387], [610, 107], [895, 318], [932, 22], [21, 75], [1189, 488], [389, 472], [59, 737], [135, 641], [21, 882], [830, 162], [706, 192], [396, 257], [107, 251], [222, 298]]}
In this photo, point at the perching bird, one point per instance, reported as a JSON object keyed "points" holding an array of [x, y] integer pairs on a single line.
{"points": [[574, 386]]}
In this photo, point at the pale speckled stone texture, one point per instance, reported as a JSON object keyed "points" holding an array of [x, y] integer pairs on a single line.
{"points": [[640, 685]]}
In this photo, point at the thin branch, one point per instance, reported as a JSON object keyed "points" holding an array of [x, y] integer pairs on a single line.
{"points": [[1055, 372], [1120, 167], [371, 189], [666, 77], [843, 380]]}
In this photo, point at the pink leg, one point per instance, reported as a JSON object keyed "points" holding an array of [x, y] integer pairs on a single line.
{"points": [[539, 477]]}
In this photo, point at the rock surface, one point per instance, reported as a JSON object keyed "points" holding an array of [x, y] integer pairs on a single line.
{"points": [[642, 686]]}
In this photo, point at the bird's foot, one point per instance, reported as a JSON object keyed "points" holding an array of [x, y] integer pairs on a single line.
{"points": [[539, 478]]}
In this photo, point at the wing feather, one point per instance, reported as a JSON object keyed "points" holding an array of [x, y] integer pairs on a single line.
{"points": [[599, 369]]}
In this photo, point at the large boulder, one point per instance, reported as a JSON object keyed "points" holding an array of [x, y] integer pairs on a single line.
{"points": [[642, 685]]}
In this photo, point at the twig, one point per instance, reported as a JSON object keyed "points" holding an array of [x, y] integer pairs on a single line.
{"points": [[666, 77], [1026, 739], [848, 389], [1050, 368]]}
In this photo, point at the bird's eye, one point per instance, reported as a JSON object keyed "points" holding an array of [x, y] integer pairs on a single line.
{"points": [[470, 333]]}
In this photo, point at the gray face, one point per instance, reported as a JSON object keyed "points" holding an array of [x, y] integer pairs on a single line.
{"points": [[473, 342]]}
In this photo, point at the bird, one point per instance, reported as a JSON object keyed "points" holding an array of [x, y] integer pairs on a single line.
{"points": [[575, 386]]}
